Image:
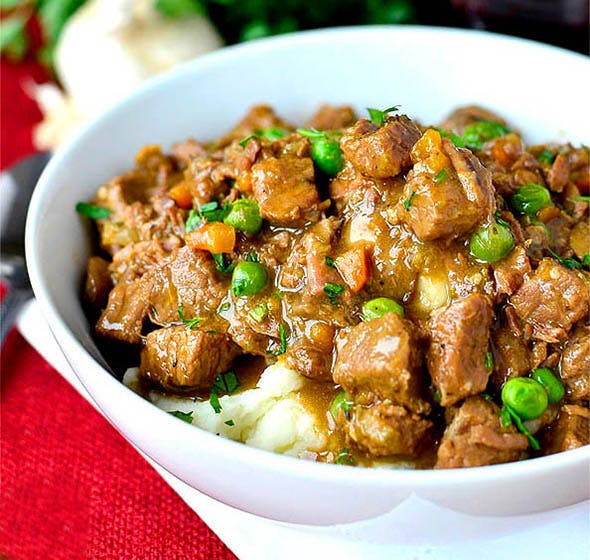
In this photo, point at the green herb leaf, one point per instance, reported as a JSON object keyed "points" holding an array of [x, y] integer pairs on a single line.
{"points": [[224, 307], [192, 221], [227, 382], [344, 458], [582, 199], [477, 134], [247, 139], [379, 117], [312, 133], [272, 133], [259, 312], [499, 219], [489, 361], [223, 263], [92, 211], [186, 416], [283, 341], [333, 290], [179, 8], [546, 156], [251, 256], [330, 262], [408, 203], [229, 423], [568, 262], [454, 138], [212, 212], [214, 401], [441, 176], [53, 15], [278, 294], [586, 260], [507, 414], [190, 323]]}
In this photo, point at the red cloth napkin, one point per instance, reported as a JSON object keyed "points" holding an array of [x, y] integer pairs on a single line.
{"points": [[71, 486]]}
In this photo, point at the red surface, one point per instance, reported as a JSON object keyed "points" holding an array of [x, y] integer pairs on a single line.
{"points": [[71, 487]]}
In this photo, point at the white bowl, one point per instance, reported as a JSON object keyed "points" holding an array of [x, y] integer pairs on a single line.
{"points": [[428, 71]]}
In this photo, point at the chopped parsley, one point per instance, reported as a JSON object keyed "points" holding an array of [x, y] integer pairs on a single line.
{"points": [[272, 133], [568, 262], [478, 133], [223, 263], [333, 290], [330, 262], [457, 140], [278, 294], [582, 199], [224, 307], [312, 133], [441, 176], [379, 117], [244, 141], [259, 312], [192, 220], [186, 416], [509, 416], [546, 156], [500, 220], [408, 202], [344, 457], [190, 323], [92, 211], [586, 260], [212, 212], [340, 403], [252, 257], [229, 422], [283, 341], [490, 361], [227, 382]]}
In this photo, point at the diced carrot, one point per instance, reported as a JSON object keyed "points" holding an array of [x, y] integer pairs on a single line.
{"points": [[215, 237], [181, 195], [354, 267], [244, 181]]}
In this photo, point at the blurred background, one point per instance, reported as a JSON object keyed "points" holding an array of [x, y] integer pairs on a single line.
{"points": [[63, 61]]}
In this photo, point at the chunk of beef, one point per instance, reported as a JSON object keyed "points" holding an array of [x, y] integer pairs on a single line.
{"points": [[330, 117], [558, 226], [135, 259], [451, 206], [379, 360], [509, 273], [178, 358], [559, 174], [316, 245], [511, 356], [285, 190], [386, 429], [579, 239], [464, 116], [575, 364], [185, 278], [380, 151], [311, 355], [459, 342], [98, 282], [550, 301], [475, 437], [571, 430], [185, 152]]}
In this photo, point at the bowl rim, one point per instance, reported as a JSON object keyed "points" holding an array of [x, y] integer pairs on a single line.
{"points": [[257, 458]]}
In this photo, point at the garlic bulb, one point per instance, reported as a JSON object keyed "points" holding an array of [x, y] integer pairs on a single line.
{"points": [[105, 51]]}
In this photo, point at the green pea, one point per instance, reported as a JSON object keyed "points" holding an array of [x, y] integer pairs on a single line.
{"points": [[339, 403], [248, 279], [477, 134], [491, 242], [525, 396], [553, 386], [375, 308], [530, 198], [244, 215], [327, 155]]}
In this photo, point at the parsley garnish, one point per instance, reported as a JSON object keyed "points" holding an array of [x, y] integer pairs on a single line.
{"points": [[227, 382], [499, 219], [490, 361], [224, 307], [441, 176], [546, 156], [333, 290], [252, 257], [223, 263], [344, 458], [408, 202], [212, 212], [568, 262], [278, 294], [92, 211], [190, 323], [229, 422], [582, 199], [272, 133], [330, 262], [312, 133], [457, 140], [586, 260], [192, 221], [379, 117], [186, 416], [259, 312], [244, 141], [508, 416], [283, 345]]}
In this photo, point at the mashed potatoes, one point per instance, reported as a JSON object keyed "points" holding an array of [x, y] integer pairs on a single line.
{"points": [[269, 416]]}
